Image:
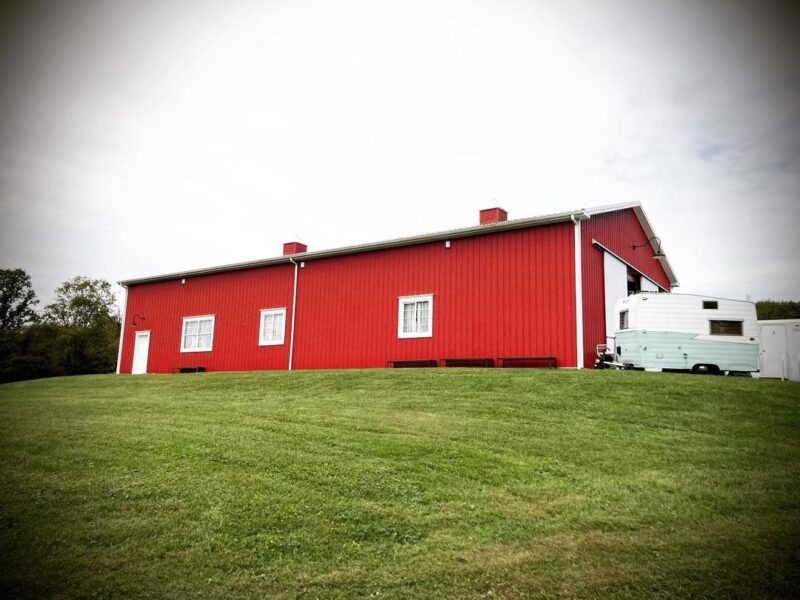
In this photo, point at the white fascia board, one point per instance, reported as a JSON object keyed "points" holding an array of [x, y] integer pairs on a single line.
{"points": [[607, 208]]}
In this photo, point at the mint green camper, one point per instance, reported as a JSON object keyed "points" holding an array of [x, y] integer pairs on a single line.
{"points": [[683, 332]]}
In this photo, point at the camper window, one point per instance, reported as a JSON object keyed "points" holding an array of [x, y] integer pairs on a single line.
{"points": [[710, 304], [725, 327], [623, 319]]}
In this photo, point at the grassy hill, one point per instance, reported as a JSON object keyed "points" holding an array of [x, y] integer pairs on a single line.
{"points": [[416, 483]]}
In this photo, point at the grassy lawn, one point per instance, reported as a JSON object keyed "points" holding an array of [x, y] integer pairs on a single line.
{"points": [[409, 483]]}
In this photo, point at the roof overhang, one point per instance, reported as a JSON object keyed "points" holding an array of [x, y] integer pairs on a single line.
{"points": [[648, 230], [563, 217], [571, 216]]}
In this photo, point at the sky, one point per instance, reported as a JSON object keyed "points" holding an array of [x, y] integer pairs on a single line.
{"points": [[139, 138]]}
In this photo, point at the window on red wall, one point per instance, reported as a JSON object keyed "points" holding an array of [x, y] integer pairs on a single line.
{"points": [[272, 327], [197, 334]]}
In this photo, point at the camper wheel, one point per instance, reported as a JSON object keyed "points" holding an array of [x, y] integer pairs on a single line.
{"points": [[706, 369]]}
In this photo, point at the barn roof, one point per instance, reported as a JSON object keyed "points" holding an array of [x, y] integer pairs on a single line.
{"points": [[573, 215], [658, 247]]}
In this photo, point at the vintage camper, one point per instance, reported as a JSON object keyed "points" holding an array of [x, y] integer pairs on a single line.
{"points": [[684, 332]]}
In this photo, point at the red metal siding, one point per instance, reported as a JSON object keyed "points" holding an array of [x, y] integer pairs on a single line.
{"points": [[505, 294], [617, 231], [235, 299]]}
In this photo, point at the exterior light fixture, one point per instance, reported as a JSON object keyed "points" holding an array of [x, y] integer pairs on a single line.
{"points": [[659, 253]]}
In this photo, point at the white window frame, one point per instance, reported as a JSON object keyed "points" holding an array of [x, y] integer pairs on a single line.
{"points": [[401, 302], [272, 311], [183, 332]]}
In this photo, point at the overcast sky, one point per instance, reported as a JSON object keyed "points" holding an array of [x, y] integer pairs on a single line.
{"points": [[139, 138]]}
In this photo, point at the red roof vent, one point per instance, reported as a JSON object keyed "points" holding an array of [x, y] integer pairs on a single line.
{"points": [[293, 248], [493, 215]]}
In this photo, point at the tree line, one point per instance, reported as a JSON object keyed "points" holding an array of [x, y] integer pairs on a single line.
{"points": [[77, 334], [777, 309]]}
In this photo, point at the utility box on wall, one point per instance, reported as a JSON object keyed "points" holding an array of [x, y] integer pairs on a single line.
{"points": [[780, 349]]}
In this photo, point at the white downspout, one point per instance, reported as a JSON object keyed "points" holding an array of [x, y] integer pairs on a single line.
{"points": [[578, 293], [294, 306], [122, 329]]}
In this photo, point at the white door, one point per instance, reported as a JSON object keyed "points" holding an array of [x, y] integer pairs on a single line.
{"points": [[793, 352], [648, 286], [773, 349], [140, 348]]}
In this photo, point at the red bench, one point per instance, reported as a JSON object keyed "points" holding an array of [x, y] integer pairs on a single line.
{"points": [[468, 362], [528, 362], [410, 364]]}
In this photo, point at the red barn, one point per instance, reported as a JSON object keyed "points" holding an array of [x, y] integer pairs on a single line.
{"points": [[525, 288]]}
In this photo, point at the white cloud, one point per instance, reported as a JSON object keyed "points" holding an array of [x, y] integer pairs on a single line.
{"points": [[140, 139]]}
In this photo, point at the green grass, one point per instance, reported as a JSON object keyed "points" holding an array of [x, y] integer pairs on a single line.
{"points": [[410, 483]]}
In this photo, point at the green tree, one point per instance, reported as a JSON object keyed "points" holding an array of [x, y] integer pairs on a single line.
{"points": [[17, 300], [81, 302], [79, 334], [777, 309], [91, 349], [34, 351]]}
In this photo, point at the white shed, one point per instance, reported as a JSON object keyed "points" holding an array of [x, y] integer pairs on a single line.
{"points": [[780, 349]]}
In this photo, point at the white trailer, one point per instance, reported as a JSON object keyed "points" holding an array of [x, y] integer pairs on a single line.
{"points": [[780, 349], [684, 332]]}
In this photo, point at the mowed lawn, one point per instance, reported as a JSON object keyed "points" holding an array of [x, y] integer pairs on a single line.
{"points": [[408, 483]]}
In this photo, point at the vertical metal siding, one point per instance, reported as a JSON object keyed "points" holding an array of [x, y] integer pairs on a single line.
{"points": [[617, 231], [504, 294], [235, 299]]}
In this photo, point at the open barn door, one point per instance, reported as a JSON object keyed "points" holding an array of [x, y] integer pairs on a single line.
{"points": [[615, 274], [648, 286]]}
